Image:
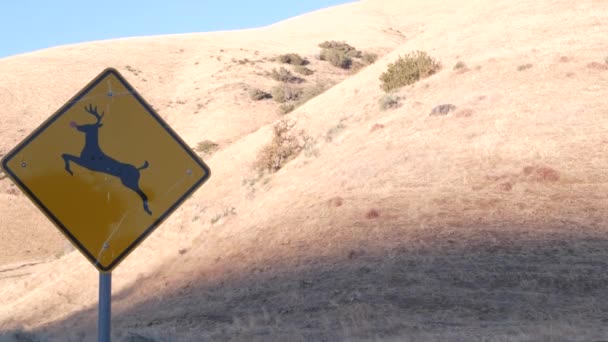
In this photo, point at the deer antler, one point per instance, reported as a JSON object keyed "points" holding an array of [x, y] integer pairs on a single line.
{"points": [[93, 111]]}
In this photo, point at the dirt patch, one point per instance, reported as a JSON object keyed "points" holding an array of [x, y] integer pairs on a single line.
{"points": [[335, 202], [597, 66], [540, 174], [376, 127], [372, 214]]}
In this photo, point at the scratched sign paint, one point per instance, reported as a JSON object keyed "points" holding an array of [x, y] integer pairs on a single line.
{"points": [[106, 169]]}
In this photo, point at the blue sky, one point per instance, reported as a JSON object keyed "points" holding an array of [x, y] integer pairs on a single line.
{"points": [[28, 25]]}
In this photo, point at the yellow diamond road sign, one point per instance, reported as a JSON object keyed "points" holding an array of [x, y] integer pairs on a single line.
{"points": [[106, 169]]}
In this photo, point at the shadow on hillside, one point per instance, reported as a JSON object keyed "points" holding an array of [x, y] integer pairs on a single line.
{"points": [[501, 286]]}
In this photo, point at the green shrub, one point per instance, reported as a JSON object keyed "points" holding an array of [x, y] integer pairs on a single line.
{"points": [[300, 69], [258, 94], [284, 75], [408, 69], [207, 146], [389, 101], [292, 58], [285, 92]]}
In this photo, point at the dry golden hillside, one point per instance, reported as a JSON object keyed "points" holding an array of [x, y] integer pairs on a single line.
{"points": [[484, 224]]}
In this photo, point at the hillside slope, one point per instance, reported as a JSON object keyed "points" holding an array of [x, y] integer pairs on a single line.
{"points": [[394, 225]]}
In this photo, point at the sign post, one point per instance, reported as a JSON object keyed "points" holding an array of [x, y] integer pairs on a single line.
{"points": [[106, 170], [105, 307]]}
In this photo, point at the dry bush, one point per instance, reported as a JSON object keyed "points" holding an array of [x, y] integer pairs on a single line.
{"points": [[285, 92], [292, 58], [409, 69], [332, 44], [343, 55], [338, 54], [287, 108], [312, 91], [389, 101], [258, 94], [460, 65], [297, 96], [334, 131], [300, 69], [337, 58], [242, 61], [285, 146], [369, 58], [207, 146], [284, 75], [524, 67], [443, 109], [356, 67]]}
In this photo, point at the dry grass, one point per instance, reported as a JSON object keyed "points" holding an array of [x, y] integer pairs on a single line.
{"points": [[442, 284], [489, 227]]}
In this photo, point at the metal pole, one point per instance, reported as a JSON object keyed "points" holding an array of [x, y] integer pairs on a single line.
{"points": [[105, 307]]}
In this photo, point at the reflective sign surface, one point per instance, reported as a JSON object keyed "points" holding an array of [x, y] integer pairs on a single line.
{"points": [[106, 169]]}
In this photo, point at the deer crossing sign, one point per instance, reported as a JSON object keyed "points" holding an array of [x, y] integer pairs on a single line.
{"points": [[106, 169]]}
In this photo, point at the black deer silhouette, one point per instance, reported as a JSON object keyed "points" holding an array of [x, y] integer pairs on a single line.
{"points": [[94, 159]]}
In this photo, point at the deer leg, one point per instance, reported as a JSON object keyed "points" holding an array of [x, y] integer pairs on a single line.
{"points": [[67, 158], [144, 198], [132, 184]]}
